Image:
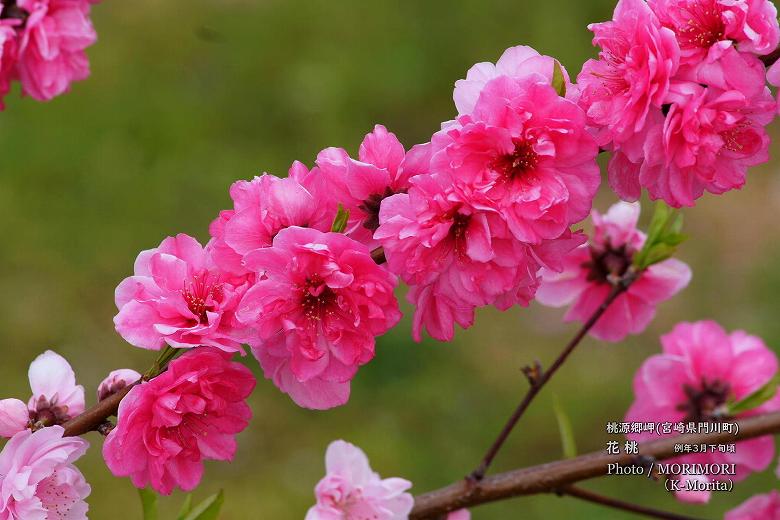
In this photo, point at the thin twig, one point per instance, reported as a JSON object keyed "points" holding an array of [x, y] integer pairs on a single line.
{"points": [[559, 474], [538, 383], [590, 496]]}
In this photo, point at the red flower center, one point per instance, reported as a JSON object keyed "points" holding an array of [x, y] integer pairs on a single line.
{"points": [[704, 26], [201, 293], [608, 264], [458, 231], [317, 298], [705, 404], [523, 159]]}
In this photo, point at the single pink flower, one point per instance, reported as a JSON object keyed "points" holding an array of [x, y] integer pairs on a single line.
{"points": [[701, 25], [589, 271], [526, 151], [166, 427], [629, 81], [383, 168], [51, 46], [38, 480], [460, 514], [116, 381], [516, 63], [56, 397], [179, 297], [318, 305], [758, 507], [264, 206], [352, 490], [690, 491], [457, 253], [701, 369]]}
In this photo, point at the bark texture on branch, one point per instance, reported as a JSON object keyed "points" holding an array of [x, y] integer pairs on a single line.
{"points": [[555, 475], [92, 418]]}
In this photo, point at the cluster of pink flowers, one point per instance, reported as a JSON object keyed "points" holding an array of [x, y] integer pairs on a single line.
{"points": [[506, 180], [701, 371], [679, 95], [42, 44]]}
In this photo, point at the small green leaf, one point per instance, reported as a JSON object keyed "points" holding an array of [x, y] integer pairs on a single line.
{"points": [[340, 222], [186, 507], [208, 509], [149, 503], [663, 236], [558, 81], [756, 399], [565, 429]]}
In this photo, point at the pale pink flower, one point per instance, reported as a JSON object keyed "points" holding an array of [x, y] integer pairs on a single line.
{"points": [[629, 81], [56, 397], [318, 305], [701, 25], [589, 271], [707, 141], [457, 254], [517, 63], [38, 480], [51, 46], [179, 297], [351, 490], [116, 381], [689, 489], [526, 151], [702, 369], [264, 206], [166, 427], [383, 168], [460, 514], [758, 507]]}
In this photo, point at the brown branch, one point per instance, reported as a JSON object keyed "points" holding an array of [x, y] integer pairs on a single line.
{"points": [[541, 377], [559, 474], [91, 419], [378, 255], [595, 498], [770, 59]]}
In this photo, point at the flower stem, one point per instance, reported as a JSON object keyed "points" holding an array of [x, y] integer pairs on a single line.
{"points": [[590, 496], [541, 377]]}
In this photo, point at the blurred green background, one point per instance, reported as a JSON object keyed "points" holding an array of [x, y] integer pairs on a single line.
{"points": [[187, 96]]}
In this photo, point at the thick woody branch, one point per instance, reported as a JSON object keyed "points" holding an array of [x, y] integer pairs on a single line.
{"points": [[557, 475]]}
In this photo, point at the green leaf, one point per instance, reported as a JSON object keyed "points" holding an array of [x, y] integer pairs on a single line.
{"points": [[149, 503], [208, 509], [565, 429], [663, 236], [756, 399], [558, 81], [186, 507], [340, 222]]}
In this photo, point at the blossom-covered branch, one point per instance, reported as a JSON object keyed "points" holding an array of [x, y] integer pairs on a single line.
{"points": [[557, 475]]}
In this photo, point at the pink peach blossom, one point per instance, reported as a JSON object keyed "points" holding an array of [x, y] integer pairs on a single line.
{"points": [[167, 426], [586, 279], [707, 141], [352, 490], [701, 25], [116, 381], [758, 507], [52, 44], [318, 305], [383, 169], [516, 63], [56, 397], [631, 78], [701, 369], [179, 297], [460, 514], [38, 480], [526, 150], [457, 253], [264, 206]]}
